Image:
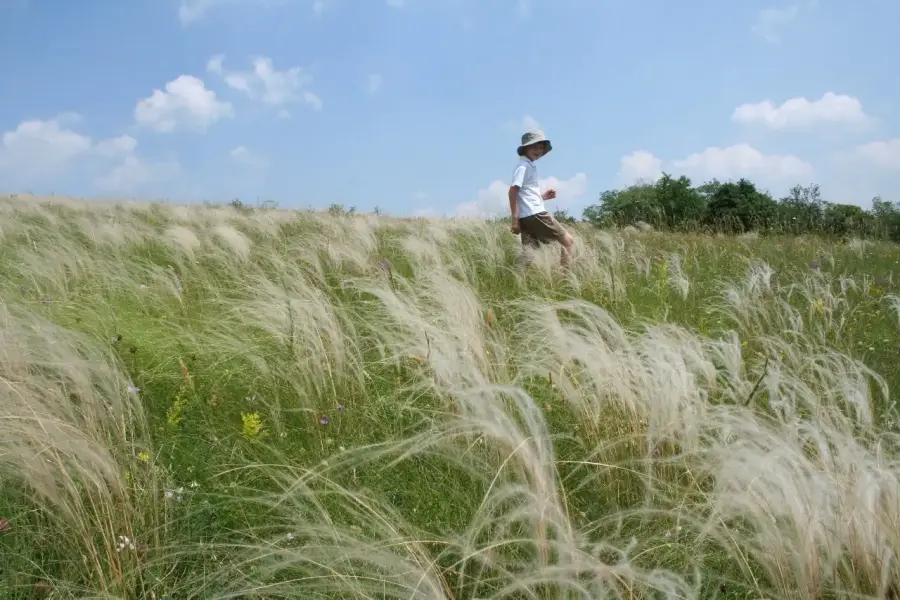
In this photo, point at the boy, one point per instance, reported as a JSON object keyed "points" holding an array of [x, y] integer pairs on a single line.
{"points": [[526, 202]]}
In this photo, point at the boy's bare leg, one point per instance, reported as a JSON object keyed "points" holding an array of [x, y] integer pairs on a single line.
{"points": [[567, 244]]}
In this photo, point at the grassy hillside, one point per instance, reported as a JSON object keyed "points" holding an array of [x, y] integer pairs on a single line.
{"points": [[203, 402]]}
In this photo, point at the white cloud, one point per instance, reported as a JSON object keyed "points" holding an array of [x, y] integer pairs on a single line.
{"points": [[135, 173], [881, 154], [38, 149], [742, 160], [114, 147], [770, 22], [267, 84], [520, 126], [798, 113], [640, 165], [243, 156], [38, 152], [374, 83], [186, 102], [524, 8], [192, 10], [214, 64], [41, 147], [733, 162], [494, 200], [529, 123]]}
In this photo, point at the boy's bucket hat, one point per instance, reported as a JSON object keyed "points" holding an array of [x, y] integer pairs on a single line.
{"points": [[534, 137]]}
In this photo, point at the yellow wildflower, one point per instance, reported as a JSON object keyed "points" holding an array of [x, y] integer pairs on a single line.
{"points": [[251, 425]]}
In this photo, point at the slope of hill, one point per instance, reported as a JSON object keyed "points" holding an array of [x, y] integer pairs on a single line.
{"points": [[207, 402]]}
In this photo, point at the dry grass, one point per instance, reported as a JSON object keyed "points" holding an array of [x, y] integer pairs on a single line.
{"points": [[206, 402]]}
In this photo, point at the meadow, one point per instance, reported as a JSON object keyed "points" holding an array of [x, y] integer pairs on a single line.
{"points": [[216, 402]]}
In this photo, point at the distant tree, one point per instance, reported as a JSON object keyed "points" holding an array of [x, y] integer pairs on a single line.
{"points": [[708, 189], [739, 206], [802, 210], [562, 215], [594, 215], [625, 207], [679, 205], [886, 219], [845, 219]]}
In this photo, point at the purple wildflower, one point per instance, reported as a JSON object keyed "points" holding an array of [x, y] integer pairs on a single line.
{"points": [[324, 420]]}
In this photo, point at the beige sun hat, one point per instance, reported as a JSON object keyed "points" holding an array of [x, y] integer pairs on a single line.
{"points": [[534, 137]]}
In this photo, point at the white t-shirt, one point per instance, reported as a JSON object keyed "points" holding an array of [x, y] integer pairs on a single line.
{"points": [[530, 201]]}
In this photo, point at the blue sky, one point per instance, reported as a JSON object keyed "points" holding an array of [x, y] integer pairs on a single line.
{"points": [[416, 106]]}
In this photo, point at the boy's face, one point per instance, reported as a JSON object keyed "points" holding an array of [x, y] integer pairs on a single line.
{"points": [[535, 151]]}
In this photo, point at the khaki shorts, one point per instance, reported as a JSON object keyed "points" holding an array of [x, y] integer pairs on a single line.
{"points": [[540, 229]]}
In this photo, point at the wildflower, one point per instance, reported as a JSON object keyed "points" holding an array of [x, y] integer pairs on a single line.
{"points": [[124, 544], [251, 425], [133, 389], [324, 420], [676, 531], [177, 495], [819, 305], [4, 525], [143, 456]]}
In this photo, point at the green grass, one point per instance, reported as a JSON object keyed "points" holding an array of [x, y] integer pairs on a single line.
{"points": [[271, 404]]}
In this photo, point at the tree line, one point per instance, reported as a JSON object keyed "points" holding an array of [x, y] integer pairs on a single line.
{"points": [[674, 204]]}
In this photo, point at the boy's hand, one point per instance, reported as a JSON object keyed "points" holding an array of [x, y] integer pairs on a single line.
{"points": [[514, 228], [549, 194]]}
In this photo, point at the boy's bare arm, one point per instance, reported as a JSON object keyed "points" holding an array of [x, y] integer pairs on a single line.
{"points": [[514, 207]]}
